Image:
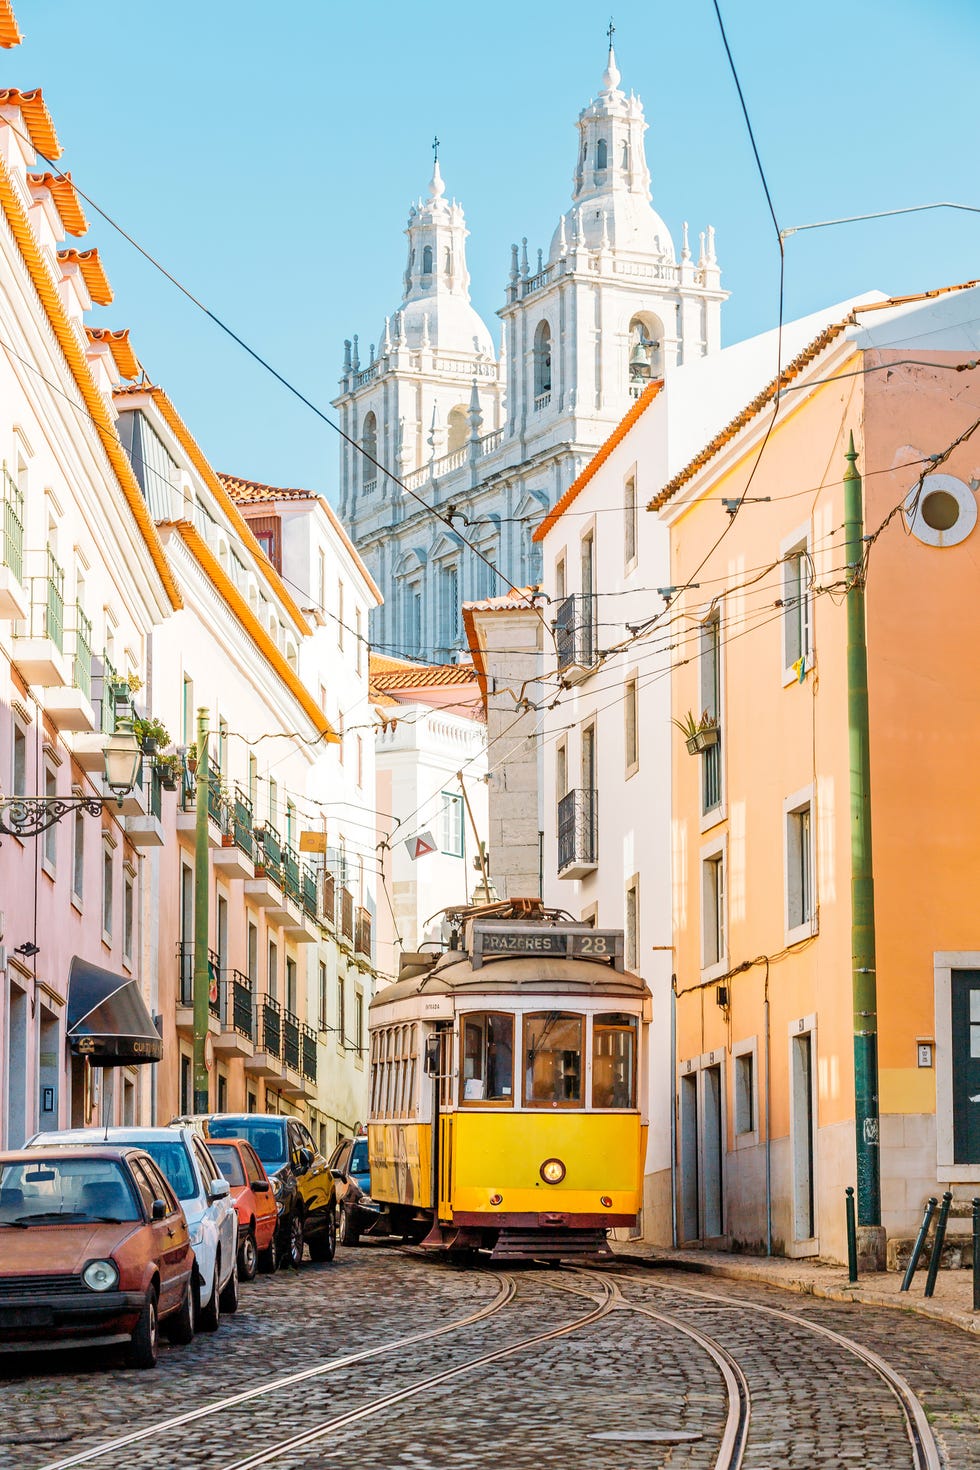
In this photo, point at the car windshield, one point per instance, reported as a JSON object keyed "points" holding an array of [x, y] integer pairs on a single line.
{"points": [[359, 1157], [175, 1163], [65, 1192], [228, 1162], [268, 1140]]}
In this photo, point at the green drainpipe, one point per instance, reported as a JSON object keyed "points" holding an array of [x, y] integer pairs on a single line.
{"points": [[202, 878], [863, 976]]}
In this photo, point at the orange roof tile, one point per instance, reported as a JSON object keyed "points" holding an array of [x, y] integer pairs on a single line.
{"points": [[9, 30], [598, 459], [66, 200], [127, 363], [214, 483], [37, 120], [95, 405], [90, 265], [426, 676], [253, 492], [234, 600]]}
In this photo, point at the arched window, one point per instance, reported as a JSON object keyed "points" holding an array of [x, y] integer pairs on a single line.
{"points": [[369, 442], [459, 428], [427, 260], [448, 261], [542, 359], [646, 360], [600, 154]]}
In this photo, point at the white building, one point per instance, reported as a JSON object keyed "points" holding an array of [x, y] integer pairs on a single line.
{"points": [[491, 439]]}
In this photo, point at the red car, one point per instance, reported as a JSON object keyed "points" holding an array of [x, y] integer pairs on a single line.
{"points": [[94, 1251], [255, 1202]]}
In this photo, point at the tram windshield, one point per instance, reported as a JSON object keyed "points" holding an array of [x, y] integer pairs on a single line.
{"points": [[614, 1061], [487, 1074], [553, 1059]]}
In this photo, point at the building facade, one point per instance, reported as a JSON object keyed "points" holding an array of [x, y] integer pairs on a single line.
{"points": [[491, 438]]}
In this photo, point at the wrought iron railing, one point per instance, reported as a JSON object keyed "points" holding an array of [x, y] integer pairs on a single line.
{"points": [[578, 837], [308, 1058], [308, 883], [12, 526], [362, 932], [185, 960], [55, 622], [346, 914], [216, 802], [239, 1015], [107, 721], [290, 1039], [328, 902], [241, 822], [156, 794], [269, 1018], [575, 631], [83, 653], [290, 874], [271, 854]]}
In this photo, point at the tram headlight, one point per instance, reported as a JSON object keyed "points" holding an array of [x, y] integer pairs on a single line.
{"points": [[552, 1171]]}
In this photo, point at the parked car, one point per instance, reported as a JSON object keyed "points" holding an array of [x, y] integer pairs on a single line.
{"points": [[305, 1193], [255, 1203], [351, 1170], [94, 1250], [204, 1195]]}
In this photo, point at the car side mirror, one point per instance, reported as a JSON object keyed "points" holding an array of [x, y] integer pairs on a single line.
{"points": [[220, 1189], [337, 1174], [159, 1210], [432, 1055], [260, 1186], [305, 1158]]}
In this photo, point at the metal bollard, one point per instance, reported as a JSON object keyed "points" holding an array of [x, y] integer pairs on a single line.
{"points": [[976, 1255], [938, 1243], [920, 1241], [852, 1245]]}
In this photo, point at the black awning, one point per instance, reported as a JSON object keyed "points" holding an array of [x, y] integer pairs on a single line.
{"points": [[107, 1018]]}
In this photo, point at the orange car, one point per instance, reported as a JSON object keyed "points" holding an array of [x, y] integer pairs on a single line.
{"points": [[254, 1201]]}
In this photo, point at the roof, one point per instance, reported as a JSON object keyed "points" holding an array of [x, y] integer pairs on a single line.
{"points": [[598, 459], [66, 200], [37, 119], [400, 673], [95, 404], [253, 492], [792, 370], [514, 601], [195, 454], [127, 363], [90, 265], [9, 30], [238, 605], [453, 974]]}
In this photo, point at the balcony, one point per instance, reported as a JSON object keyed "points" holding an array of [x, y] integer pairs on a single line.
{"points": [[575, 638], [185, 990], [71, 708], [328, 899], [345, 916], [88, 745], [294, 1037], [299, 884], [266, 888], [578, 834], [217, 818], [14, 601], [237, 1038], [362, 933], [266, 1061], [145, 828], [39, 643], [236, 856]]}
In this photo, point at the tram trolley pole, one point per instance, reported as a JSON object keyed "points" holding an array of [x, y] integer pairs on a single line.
{"points": [[938, 1243], [920, 1241], [976, 1255], [852, 1248]]}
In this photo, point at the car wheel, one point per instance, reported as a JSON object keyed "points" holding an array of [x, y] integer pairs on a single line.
{"points": [[229, 1296], [248, 1258], [269, 1258], [180, 1327], [323, 1247], [144, 1346], [210, 1315], [350, 1232], [294, 1240]]}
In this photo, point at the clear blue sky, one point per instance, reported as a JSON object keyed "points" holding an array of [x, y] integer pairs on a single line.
{"points": [[267, 154]]}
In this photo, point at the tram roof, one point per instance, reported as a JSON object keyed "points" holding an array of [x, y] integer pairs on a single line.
{"points": [[453, 974]]}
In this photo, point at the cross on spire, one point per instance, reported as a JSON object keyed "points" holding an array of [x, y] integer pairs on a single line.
{"points": [[435, 149], [611, 32]]}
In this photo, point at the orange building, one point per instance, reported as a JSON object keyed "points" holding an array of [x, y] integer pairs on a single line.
{"points": [[789, 966]]}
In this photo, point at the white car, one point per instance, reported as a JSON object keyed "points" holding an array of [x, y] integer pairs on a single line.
{"points": [[203, 1193]]}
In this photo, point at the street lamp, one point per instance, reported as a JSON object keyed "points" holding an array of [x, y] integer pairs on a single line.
{"points": [[29, 816]]}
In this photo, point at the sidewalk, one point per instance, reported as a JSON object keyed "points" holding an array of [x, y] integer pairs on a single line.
{"points": [[952, 1302]]}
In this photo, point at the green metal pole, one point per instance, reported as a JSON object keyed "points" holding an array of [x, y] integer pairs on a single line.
{"points": [[202, 876], [863, 968]]}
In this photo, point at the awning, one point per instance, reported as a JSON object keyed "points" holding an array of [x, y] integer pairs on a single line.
{"points": [[107, 1018]]}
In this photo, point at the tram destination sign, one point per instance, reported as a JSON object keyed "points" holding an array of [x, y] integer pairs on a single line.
{"points": [[540, 941]]}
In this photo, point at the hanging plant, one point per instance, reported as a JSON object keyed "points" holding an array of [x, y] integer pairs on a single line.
{"points": [[698, 733], [150, 733]]}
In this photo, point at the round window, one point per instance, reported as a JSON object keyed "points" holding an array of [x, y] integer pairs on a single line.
{"points": [[943, 512]]}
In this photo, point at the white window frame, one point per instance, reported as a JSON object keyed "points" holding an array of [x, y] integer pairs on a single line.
{"points": [[632, 954], [49, 838], [18, 728], [631, 701], [631, 514], [944, 963], [451, 803], [719, 813], [79, 819], [799, 544], [714, 852], [108, 852], [130, 889], [749, 1138], [800, 801]]}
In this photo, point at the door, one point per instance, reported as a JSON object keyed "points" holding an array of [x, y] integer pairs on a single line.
{"points": [[804, 1222], [689, 1192], [316, 1181], [965, 998], [711, 1145]]}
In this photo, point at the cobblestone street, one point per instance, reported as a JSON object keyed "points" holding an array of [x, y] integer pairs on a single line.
{"points": [[626, 1390]]}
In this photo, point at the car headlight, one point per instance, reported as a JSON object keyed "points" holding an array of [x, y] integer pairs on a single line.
{"points": [[196, 1232], [552, 1171], [101, 1275]]}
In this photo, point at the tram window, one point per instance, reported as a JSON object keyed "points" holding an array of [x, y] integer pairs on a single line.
{"points": [[553, 1059], [487, 1073], [614, 1062]]}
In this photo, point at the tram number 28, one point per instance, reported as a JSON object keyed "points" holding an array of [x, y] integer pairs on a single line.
{"points": [[591, 944]]}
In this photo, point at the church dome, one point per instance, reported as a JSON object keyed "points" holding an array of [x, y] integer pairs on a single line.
{"points": [[626, 222], [447, 322]]}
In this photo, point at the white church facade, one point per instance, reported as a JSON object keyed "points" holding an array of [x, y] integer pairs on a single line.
{"points": [[491, 438]]}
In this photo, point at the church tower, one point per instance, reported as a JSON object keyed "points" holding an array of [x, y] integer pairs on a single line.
{"points": [[492, 442]]}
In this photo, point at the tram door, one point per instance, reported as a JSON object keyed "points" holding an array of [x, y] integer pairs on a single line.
{"points": [[446, 1115]]}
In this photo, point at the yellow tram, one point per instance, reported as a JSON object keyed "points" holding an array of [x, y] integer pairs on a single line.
{"points": [[507, 1079]]}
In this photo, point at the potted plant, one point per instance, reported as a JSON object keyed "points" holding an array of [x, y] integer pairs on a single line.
{"points": [[190, 758], [698, 733], [150, 733], [169, 768]]}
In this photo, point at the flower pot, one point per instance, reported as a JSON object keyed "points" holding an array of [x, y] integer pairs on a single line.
{"points": [[192, 764], [169, 783], [700, 741], [149, 745]]}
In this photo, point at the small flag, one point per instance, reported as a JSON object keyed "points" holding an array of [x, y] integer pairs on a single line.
{"points": [[420, 845], [799, 668]]}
